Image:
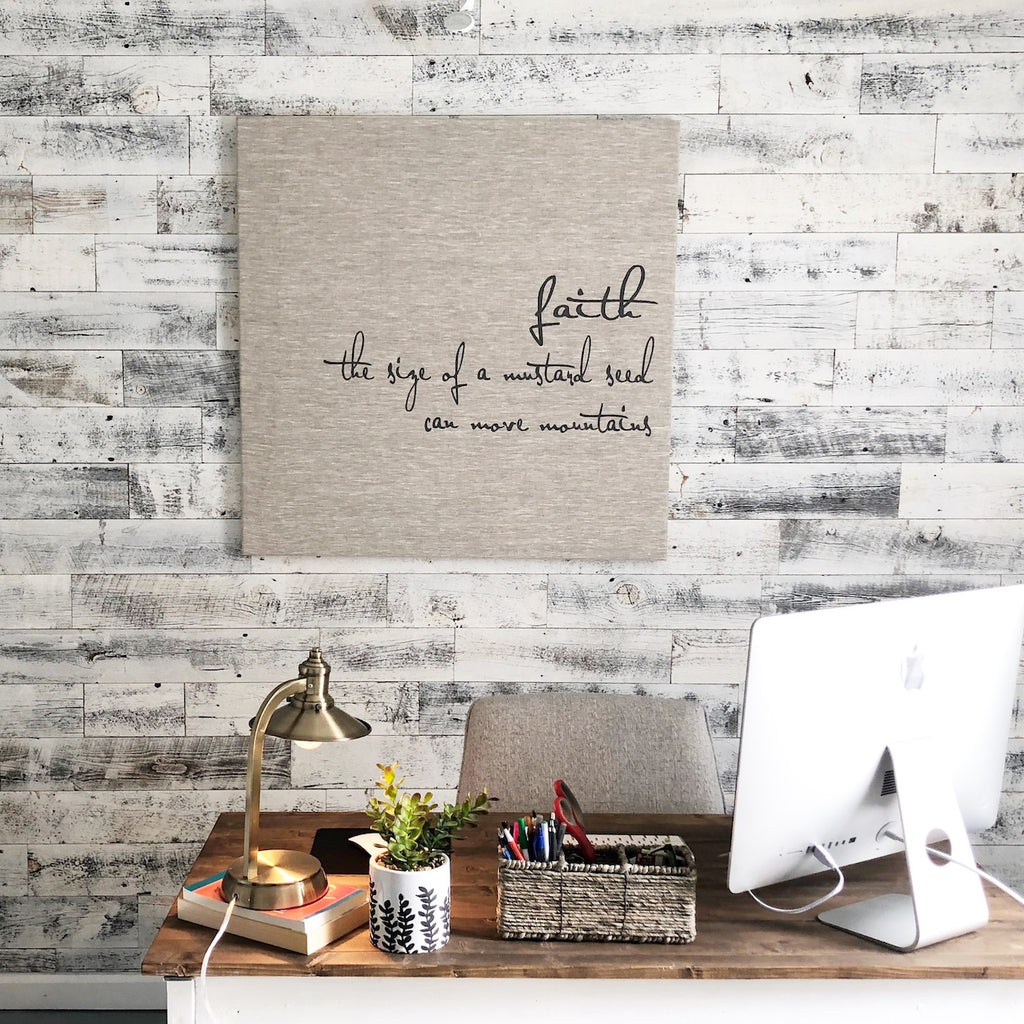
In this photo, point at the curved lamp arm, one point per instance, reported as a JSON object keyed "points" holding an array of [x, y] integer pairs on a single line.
{"points": [[255, 768]]}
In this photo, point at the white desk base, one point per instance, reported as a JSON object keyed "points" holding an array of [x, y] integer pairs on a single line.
{"points": [[267, 1000]]}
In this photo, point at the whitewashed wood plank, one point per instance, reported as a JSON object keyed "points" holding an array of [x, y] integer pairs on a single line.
{"points": [[768, 320], [924, 320], [785, 594], [73, 869], [703, 434], [197, 204], [13, 870], [134, 709], [1008, 320], [466, 599], [99, 435], [828, 435], [228, 321], [654, 602], [87, 320], [120, 816], [1005, 862], [979, 142], [225, 709], [35, 602], [853, 202], [389, 654], [94, 145], [114, 763], [757, 490], [222, 434], [15, 205], [963, 492], [709, 656], [310, 85], [960, 262], [51, 379], [727, 755], [992, 434], [213, 146], [47, 263], [99, 203], [638, 656], [915, 547], [32, 961], [352, 27], [976, 83], [193, 600], [823, 144], [70, 922], [45, 709], [95, 26], [169, 378], [176, 491], [722, 546], [153, 910], [790, 83], [426, 762], [262, 656], [788, 262], [733, 26], [752, 377], [90, 960], [63, 492], [639, 84], [61, 85], [929, 377], [187, 263], [121, 546]]}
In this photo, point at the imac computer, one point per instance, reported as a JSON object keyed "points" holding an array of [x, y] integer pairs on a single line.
{"points": [[877, 729]]}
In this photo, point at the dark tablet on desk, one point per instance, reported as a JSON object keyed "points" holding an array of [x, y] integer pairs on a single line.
{"points": [[338, 856]]}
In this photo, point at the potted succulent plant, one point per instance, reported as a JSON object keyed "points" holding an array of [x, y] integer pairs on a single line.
{"points": [[410, 881]]}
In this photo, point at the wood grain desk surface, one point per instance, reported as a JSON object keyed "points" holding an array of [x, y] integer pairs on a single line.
{"points": [[735, 937]]}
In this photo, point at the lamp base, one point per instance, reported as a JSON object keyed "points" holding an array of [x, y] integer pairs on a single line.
{"points": [[283, 879]]}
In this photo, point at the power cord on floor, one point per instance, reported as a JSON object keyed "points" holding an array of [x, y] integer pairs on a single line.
{"points": [[203, 995], [828, 860]]}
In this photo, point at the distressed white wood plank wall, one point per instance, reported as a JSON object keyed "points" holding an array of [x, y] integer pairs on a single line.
{"points": [[847, 420]]}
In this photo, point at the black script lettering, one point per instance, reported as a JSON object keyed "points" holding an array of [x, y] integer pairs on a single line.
{"points": [[353, 366], [436, 423], [616, 376], [544, 294], [456, 387], [603, 308], [506, 425], [603, 423], [557, 373], [396, 373], [481, 374]]}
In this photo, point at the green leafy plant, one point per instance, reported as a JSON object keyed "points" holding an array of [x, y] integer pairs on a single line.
{"points": [[416, 832]]}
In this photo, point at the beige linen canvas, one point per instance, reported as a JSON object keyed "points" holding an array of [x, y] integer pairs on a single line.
{"points": [[456, 335]]}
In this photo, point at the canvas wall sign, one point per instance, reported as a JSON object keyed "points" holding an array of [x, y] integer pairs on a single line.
{"points": [[456, 335]]}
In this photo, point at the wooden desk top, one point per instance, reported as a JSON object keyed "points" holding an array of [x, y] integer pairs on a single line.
{"points": [[735, 937]]}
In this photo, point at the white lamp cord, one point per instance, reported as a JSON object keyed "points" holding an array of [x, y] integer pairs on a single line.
{"points": [[206, 961], [828, 860]]}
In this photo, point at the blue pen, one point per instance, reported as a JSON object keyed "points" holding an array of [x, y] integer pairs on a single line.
{"points": [[542, 842]]}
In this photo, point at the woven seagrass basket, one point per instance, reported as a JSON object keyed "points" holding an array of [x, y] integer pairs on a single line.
{"points": [[612, 900]]}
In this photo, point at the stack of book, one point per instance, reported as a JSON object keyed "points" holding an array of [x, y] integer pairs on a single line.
{"points": [[302, 929]]}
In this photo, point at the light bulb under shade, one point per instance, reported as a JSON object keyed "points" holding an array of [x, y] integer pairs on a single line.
{"points": [[325, 725]]}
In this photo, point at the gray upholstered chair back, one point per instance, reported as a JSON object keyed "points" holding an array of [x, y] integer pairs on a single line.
{"points": [[618, 753]]}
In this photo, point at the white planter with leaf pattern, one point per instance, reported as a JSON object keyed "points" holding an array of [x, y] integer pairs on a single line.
{"points": [[410, 911]]}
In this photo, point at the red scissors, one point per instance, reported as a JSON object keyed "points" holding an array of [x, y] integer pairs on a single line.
{"points": [[567, 811]]}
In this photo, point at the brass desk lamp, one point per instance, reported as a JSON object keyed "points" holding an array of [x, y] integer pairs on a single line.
{"points": [[278, 879]]}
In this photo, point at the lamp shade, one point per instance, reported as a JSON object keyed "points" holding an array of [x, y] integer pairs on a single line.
{"points": [[314, 722]]}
